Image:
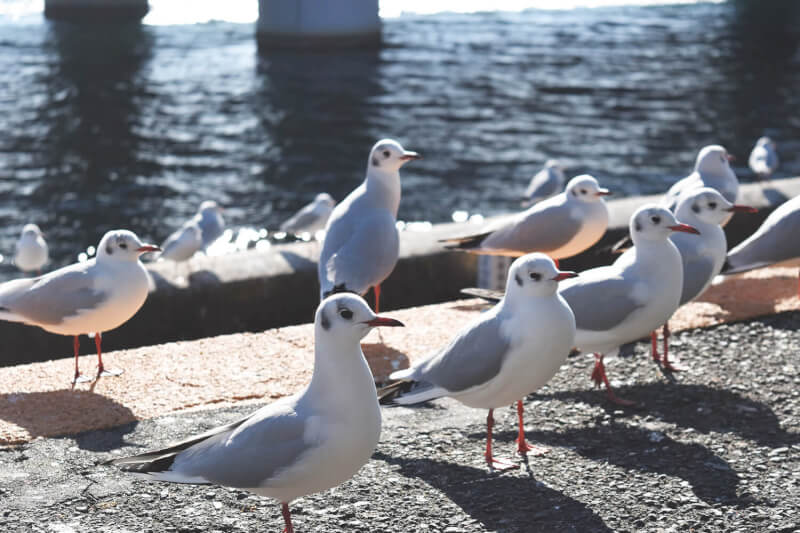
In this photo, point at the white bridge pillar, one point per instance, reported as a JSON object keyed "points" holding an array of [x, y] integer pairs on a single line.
{"points": [[301, 23], [95, 10]]}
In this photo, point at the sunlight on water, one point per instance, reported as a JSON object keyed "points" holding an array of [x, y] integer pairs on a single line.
{"points": [[394, 8]]}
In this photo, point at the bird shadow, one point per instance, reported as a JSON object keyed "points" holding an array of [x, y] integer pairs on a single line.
{"points": [[700, 407], [483, 495], [65, 412], [773, 195], [637, 449], [298, 262]]}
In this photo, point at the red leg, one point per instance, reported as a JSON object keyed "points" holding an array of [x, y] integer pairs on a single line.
{"points": [[523, 446], [599, 373], [78, 378], [101, 370], [654, 345], [675, 366], [287, 518], [377, 292], [497, 464]]}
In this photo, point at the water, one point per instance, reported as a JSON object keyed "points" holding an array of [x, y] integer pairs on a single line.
{"points": [[134, 127]]}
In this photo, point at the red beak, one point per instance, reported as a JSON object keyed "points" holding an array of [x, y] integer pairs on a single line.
{"points": [[148, 248], [685, 228], [731, 157], [410, 155], [565, 274], [384, 321], [742, 209], [603, 192]]}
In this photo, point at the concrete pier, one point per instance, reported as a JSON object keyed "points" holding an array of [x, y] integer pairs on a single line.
{"points": [[312, 23], [96, 10]]}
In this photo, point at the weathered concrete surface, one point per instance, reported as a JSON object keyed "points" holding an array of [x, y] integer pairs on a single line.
{"points": [[99, 11], [256, 290]]}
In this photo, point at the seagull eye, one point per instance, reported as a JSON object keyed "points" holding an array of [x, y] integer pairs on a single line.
{"points": [[123, 245], [656, 219], [535, 276], [346, 314], [712, 205], [386, 153], [583, 191]]}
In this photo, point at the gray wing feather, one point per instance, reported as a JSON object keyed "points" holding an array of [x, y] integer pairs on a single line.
{"points": [[51, 298], [775, 241], [697, 273], [536, 230], [250, 454], [473, 358], [593, 315], [300, 220]]}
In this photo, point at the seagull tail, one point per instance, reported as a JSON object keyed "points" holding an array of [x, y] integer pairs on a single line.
{"points": [[408, 392], [465, 243], [485, 294]]}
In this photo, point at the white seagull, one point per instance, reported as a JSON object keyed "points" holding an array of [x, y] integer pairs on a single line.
{"points": [[764, 158], [298, 445], [775, 241], [702, 255], [627, 300], [711, 169], [31, 253], [548, 182], [561, 227], [91, 297], [312, 217], [183, 243], [212, 224], [361, 242], [505, 354]]}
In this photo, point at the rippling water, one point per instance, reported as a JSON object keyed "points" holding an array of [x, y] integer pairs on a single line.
{"points": [[135, 126]]}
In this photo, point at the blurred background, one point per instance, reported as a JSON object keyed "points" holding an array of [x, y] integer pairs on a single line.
{"points": [[111, 126]]}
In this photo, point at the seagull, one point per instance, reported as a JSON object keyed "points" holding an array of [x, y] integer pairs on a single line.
{"points": [[31, 251], [91, 297], [299, 445], [702, 256], [504, 354], [775, 241], [711, 169], [764, 158], [562, 226], [209, 218], [548, 182], [312, 217], [627, 300], [361, 242], [182, 244]]}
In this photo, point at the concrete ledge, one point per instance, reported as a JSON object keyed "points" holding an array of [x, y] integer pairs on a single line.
{"points": [[256, 290], [96, 10]]}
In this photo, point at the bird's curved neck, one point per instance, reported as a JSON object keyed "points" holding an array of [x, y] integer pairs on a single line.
{"points": [[340, 371], [383, 188]]}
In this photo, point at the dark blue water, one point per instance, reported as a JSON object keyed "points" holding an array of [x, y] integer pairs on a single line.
{"points": [[135, 126]]}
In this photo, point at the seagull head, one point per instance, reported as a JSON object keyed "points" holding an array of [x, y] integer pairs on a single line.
{"points": [[713, 159], [707, 205], [31, 231], [535, 275], [765, 141], [122, 245], [325, 199], [388, 155], [209, 207], [585, 188], [347, 316], [653, 223], [554, 163]]}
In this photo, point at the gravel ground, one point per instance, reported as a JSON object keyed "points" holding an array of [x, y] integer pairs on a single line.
{"points": [[716, 450]]}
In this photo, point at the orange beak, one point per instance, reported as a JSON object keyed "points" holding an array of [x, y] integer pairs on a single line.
{"points": [[148, 248], [742, 209], [384, 321], [565, 274], [685, 228]]}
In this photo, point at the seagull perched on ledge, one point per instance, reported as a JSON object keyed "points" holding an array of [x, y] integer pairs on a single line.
{"points": [[311, 217], [505, 354], [31, 254], [764, 158], [91, 297], [712, 168], [361, 243], [298, 445], [546, 183]]}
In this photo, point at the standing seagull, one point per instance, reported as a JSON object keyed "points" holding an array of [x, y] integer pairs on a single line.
{"points": [[764, 158], [504, 354], [702, 256], [31, 251], [92, 297], [711, 169], [627, 300], [209, 218], [311, 217], [299, 445], [361, 241], [548, 182], [775, 241], [562, 226], [183, 243]]}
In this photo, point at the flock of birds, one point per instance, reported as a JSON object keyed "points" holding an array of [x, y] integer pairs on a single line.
{"points": [[321, 437]]}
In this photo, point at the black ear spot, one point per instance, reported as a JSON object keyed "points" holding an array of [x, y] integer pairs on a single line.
{"points": [[324, 322], [109, 249], [518, 279], [637, 226], [375, 162], [574, 192], [695, 208]]}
